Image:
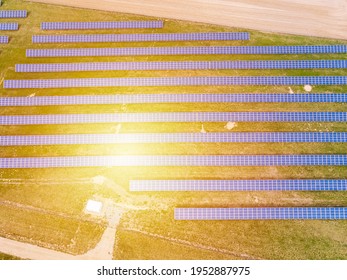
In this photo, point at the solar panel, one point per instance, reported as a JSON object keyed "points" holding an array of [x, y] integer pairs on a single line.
{"points": [[182, 65], [177, 81], [237, 185], [4, 39], [173, 160], [169, 98], [185, 50], [94, 38], [13, 14], [301, 213], [176, 117], [100, 25], [9, 26], [229, 137]]}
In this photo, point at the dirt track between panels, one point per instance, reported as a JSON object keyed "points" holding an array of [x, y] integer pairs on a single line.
{"points": [[320, 18]]}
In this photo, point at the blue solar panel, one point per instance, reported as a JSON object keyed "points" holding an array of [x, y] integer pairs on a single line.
{"points": [[169, 98], [100, 25], [229, 137], [178, 81], [94, 38], [182, 65], [185, 50], [302, 213], [4, 39], [9, 26], [13, 14], [186, 160], [176, 117], [237, 185]]}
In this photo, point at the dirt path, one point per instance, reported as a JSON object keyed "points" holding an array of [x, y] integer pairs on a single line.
{"points": [[104, 249], [32, 252], [322, 18]]}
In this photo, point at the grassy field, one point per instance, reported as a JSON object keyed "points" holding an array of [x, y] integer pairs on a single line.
{"points": [[50, 229], [45, 206]]}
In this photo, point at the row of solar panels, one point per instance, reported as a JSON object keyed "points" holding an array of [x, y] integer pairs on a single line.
{"points": [[238, 185], [182, 65], [100, 25], [84, 38], [174, 160], [193, 213], [304, 213], [235, 137], [177, 81], [4, 39], [171, 98], [9, 26], [13, 14], [185, 50], [176, 117]]}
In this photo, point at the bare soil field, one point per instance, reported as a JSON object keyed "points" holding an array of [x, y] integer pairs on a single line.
{"points": [[322, 18]]}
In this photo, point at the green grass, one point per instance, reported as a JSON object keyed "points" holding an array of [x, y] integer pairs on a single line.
{"points": [[72, 194], [47, 204], [180, 149], [250, 239], [49, 229], [135, 246], [6, 257]]}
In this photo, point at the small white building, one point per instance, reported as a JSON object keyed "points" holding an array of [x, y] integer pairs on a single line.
{"points": [[94, 207]]}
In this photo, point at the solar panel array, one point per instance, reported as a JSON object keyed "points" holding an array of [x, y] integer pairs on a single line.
{"points": [[4, 39], [169, 98], [181, 65], [13, 14], [303, 213], [234, 137], [175, 117], [181, 160], [185, 51], [177, 81], [84, 38], [238, 185], [173, 160], [100, 25], [9, 26]]}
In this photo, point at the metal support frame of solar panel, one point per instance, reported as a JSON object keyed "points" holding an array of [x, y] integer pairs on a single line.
{"points": [[174, 160], [185, 50], [4, 39], [170, 98], [9, 26], [149, 37], [181, 65], [101, 25], [175, 117], [237, 185], [222, 137], [290, 213], [13, 14], [177, 81]]}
